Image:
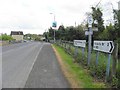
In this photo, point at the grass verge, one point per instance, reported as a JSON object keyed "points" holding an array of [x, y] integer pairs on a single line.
{"points": [[76, 75]]}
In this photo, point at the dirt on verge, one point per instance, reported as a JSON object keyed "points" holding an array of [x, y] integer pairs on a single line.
{"points": [[69, 76]]}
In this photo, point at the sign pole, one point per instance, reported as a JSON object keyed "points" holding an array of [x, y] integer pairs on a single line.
{"points": [[76, 51], [83, 50], [89, 45], [90, 21], [108, 66], [97, 55]]}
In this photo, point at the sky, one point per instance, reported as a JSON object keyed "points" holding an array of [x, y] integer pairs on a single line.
{"points": [[36, 16]]}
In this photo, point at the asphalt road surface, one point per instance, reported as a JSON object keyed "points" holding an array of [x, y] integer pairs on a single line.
{"points": [[31, 65]]}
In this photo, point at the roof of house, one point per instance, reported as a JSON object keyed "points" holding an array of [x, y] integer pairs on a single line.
{"points": [[16, 33]]}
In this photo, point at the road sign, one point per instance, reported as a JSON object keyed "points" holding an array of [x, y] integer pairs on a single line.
{"points": [[90, 21], [54, 24], [88, 32], [104, 46], [80, 43]]}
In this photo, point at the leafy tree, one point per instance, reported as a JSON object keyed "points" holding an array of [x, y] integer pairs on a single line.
{"points": [[69, 33], [5, 37], [61, 31], [97, 16], [116, 31], [51, 33], [107, 34]]}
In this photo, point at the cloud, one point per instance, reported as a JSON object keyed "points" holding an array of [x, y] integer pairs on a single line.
{"points": [[34, 14]]}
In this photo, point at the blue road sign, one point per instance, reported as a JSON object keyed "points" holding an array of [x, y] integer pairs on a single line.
{"points": [[54, 24]]}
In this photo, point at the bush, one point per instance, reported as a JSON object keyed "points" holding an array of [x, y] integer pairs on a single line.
{"points": [[114, 82], [98, 71], [5, 37]]}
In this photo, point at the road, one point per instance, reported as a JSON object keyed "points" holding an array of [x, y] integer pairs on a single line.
{"points": [[31, 65]]}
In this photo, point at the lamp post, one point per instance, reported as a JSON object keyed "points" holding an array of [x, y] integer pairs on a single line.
{"points": [[54, 25]]}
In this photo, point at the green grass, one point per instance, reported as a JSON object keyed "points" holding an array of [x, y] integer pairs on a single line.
{"points": [[81, 74]]}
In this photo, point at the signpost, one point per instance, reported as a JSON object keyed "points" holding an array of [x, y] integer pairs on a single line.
{"points": [[79, 43], [90, 21], [54, 25], [88, 33], [104, 46], [107, 47]]}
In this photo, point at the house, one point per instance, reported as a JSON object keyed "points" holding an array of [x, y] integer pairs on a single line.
{"points": [[17, 35]]}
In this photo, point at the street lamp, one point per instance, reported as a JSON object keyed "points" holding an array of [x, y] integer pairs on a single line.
{"points": [[54, 25], [54, 15]]}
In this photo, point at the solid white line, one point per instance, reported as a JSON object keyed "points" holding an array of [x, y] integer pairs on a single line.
{"points": [[34, 61]]}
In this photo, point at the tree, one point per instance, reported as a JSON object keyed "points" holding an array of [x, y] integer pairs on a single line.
{"points": [[117, 25], [51, 33], [116, 35], [116, 31], [97, 16], [69, 33], [5, 37], [107, 34], [61, 31]]}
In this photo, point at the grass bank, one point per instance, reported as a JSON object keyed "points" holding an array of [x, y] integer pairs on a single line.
{"points": [[76, 74]]}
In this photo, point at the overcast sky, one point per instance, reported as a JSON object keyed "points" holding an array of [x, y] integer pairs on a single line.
{"points": [[33, 16]]}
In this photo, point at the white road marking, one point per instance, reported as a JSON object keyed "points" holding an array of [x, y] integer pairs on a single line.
{"points": [[35, 60]]}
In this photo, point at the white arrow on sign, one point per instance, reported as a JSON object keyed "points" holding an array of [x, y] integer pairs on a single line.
{"points": [[80, 43], [104, 46]]}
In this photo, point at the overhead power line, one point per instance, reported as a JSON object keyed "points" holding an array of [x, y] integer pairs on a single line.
{"points": [[98, 4], [95, 7]]}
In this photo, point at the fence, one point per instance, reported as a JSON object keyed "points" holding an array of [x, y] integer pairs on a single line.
{"points": [[97, 67]]}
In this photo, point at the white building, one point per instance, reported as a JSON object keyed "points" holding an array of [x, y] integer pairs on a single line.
{"points": [[17, 35]]}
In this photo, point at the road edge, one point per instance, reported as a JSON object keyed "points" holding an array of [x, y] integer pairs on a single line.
{"points": [[67, 75]]}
